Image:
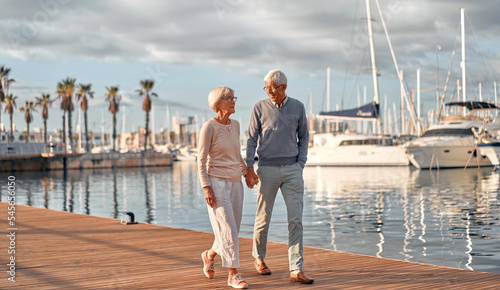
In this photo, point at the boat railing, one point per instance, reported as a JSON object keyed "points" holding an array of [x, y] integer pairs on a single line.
{"points": [[25, 149], [466, 118]]}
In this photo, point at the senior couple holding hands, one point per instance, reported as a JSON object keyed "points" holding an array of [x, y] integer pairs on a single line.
{"points": [[279, 133]]}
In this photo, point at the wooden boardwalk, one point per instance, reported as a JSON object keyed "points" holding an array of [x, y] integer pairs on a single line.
{"points": [[60, 250]]}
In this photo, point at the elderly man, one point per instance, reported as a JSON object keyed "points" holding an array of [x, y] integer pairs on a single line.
{"points": [[278, 128]]}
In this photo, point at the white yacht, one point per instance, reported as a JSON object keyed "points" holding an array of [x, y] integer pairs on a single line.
{"points": [[451, 142], [488, 141], [352, 149], [492, 151]]}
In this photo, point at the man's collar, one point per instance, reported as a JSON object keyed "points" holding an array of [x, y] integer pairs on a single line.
{"points": [[282, 103]]}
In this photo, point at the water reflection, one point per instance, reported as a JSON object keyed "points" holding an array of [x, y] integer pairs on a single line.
{"points": [[87, 195], [115, 195], [440, 217], [149, 209], [446, 217]]}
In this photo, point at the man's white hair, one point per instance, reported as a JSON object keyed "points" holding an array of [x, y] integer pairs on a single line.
{"points": [[276, 76]]}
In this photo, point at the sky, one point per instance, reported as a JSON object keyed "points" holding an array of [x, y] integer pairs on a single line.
{"points": [[190, 47]]}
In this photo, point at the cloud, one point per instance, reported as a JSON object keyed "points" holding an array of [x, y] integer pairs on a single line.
{"points": [[240, 32], [249, 37]]}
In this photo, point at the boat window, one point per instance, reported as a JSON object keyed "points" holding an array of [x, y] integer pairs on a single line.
{"points": [[366, 142], [357, 142], [448, 131]]}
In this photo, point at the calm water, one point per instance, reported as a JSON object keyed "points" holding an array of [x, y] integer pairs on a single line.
{"points": [[448, 218]]}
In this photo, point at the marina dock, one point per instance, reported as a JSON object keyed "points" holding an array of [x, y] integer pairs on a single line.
{"points": [[46, 162], [62, 250]]}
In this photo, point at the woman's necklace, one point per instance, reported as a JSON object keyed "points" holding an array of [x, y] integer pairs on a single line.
{"points": [[226, 126]]}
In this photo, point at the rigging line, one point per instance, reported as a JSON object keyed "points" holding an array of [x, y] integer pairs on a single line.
{"points": [[455, 90], [441, 105], [358, 73], [412, 112], [478, 47], [349, 58]]}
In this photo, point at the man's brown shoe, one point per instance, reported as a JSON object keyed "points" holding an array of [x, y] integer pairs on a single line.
{"points": [[300, 276], [261, 267]]}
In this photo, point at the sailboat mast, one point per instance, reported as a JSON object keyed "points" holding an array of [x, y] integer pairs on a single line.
{"points": [[402, 104], [462, 64], [419, 132], [310, 102], [124, 123], [167, 123], [328, 89], [495, 93], [374, 66]]}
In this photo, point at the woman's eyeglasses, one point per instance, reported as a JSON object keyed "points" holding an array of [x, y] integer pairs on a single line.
{"points": [[230, 99]]}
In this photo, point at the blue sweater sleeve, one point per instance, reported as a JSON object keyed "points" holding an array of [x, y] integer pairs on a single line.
{"points": [[303, 138], [254, 129]]}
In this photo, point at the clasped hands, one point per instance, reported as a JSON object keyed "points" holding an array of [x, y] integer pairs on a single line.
{"points": [[251, 178]]}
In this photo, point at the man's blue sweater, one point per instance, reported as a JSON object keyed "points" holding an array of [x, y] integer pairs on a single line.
{"points": [[280, 135]]}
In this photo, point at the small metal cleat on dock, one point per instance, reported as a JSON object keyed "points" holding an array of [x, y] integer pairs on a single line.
{"points": [[131, 220]]}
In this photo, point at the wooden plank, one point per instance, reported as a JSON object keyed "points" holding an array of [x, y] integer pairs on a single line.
{"points": [[57, 249]]}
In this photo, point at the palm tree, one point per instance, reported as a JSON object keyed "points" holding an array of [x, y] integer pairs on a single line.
{"points": [[68, 88], [44, 102], [114, 102], [60, 94], [10, 100], [4, 86], [28, 117], [84, 91], [7, 82], [146, 85], [4, 72]]}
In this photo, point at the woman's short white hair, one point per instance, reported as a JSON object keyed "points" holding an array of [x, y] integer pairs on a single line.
{"points": [[276, 76], [216, 95]]}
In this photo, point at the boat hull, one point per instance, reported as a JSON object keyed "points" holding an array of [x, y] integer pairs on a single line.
{"points": [[446, 156], [492, 151], [357, 156]]}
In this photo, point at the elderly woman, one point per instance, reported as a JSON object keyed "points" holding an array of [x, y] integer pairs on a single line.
{"points": [[221, 168]]}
